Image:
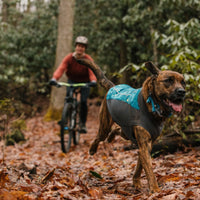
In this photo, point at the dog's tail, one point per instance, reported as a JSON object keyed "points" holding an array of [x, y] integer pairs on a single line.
{"points": [[102, 79]]}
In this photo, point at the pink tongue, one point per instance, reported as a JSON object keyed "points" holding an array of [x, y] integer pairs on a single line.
{"points": [[176, 107]]}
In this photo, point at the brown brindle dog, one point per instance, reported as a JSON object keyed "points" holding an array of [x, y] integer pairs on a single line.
{"points": [[161, 94]]}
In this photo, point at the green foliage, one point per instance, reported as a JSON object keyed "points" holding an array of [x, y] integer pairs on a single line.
{"points": [[27, 49], [95, 174], [15, 136], [18, 124], [182, 52], [116, 38], [164, 31], [179, 47], [6, 107], [14, 133], [114, 26], [121, 33]]}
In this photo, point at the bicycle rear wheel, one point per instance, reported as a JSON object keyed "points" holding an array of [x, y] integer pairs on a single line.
{"points": [[66, 132]]}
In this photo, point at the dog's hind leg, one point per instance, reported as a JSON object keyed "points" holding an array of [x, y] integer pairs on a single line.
{"points": [[116, 131], [105, 124], [145, 146]]}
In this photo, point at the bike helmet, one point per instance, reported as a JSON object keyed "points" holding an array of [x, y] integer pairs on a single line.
{"points": [[81, 40]]}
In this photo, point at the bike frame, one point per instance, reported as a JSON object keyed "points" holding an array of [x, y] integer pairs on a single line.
{"points": [[71, 101]]}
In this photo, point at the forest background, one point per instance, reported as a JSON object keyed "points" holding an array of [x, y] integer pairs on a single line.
{"points": [[35, 35], [122, 36]]}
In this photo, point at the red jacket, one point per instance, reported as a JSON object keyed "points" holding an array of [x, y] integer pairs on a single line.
{"points": [[74, 71]]}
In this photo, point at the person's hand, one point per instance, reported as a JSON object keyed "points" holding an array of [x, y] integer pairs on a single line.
{"points": [[53, 82], [92, 83]]}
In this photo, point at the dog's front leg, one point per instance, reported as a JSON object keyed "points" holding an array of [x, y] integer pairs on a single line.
{"points": [[144, 160], [137, 174]]}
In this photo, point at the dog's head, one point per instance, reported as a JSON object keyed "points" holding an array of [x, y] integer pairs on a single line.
{"points": [[166, 87]]}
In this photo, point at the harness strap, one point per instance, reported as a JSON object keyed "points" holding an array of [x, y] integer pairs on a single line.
{"points": [[155, 107]]}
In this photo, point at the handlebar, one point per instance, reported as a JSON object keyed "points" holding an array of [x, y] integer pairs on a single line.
{"points": [[59, 84]]}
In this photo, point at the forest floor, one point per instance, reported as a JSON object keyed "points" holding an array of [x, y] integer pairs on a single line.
{"points": [[37, 168]]}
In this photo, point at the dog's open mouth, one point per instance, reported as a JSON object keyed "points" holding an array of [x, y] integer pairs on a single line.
{"points": [[176, 106]]}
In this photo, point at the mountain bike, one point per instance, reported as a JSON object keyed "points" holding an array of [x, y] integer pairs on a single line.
{"points": [[70, 120]]}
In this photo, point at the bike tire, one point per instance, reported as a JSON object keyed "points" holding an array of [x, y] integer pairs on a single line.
{"points": [[76, 134], [65, 126], [78, 123]]}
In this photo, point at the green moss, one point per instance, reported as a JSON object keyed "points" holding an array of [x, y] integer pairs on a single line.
{"points": [[10, 142], [14, 137], [17, 136], [19, 124], [53, 114]]}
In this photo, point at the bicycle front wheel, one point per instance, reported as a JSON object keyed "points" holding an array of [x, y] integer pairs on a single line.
{"points": [[66, 132], [76, 117]]}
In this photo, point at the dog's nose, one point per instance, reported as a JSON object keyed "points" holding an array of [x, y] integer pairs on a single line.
{"points": [[180, 92]]}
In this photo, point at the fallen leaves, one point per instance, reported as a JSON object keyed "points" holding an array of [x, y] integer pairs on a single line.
{"points": [[39, 170], [3, 178], [48, 176], [96, 193]]}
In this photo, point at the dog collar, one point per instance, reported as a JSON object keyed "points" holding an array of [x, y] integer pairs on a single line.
{"points": [[155, 107]]}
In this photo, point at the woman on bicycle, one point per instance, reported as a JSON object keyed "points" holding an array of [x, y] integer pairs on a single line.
{"points": [[77, 73]]}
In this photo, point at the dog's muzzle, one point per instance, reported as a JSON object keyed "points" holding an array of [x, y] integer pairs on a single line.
{"points": [[175, 100], [180, 92]]}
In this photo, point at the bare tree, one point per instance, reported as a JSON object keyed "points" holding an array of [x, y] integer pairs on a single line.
{"points": [[64, 46]]}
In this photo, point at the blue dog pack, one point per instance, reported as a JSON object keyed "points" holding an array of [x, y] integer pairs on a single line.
{"points": [[127, 108]]}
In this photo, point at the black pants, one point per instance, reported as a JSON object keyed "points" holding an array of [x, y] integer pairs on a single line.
{"points": [[85, 91]]}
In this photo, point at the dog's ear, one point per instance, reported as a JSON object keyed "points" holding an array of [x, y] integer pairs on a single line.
{"points": [[152, 68]]}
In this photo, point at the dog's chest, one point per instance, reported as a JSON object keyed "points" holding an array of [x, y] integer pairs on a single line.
{"points": [[127, 108]]}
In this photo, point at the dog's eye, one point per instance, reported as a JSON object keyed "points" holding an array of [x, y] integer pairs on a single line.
{"points": [[183, 83], [169, 80]]}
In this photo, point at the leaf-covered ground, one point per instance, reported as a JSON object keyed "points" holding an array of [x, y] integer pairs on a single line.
{"points": [[37, 169]]}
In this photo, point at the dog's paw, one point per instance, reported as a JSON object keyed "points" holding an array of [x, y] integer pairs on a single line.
{"points": [[154, 189], [111, 137], [93, 150], [137, 184]]}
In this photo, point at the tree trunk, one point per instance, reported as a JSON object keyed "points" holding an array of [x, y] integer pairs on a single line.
{"points": [[5, 5], [64, 47]]}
